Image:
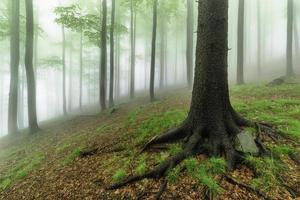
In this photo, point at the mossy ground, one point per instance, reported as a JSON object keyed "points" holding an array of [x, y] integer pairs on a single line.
{"points": [[47, 165]]}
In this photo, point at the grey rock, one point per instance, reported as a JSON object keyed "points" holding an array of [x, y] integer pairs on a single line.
{"points": [[245, 143]]}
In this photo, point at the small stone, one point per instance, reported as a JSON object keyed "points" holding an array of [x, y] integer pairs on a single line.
{"points": [[245, 143]]}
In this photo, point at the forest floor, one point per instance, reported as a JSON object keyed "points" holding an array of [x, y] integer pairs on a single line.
{"points": [[50, 165]]}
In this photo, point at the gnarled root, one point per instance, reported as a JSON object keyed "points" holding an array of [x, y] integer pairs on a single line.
{"points": [[212, 138]]}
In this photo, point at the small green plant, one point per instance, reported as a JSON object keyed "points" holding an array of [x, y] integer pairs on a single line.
{"points": [[205, 172], [175, 149], [280, 150], [173, 175], [5, 183], [119, 175], [72, 156], [142, 165], [267, 169], [191, 164], [216, 165]]}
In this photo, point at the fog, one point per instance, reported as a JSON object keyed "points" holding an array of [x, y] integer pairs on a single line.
{"points": [[48, 54]]}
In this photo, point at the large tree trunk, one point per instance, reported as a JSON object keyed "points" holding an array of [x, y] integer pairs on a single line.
{"points": [[31, 88], [132, 44], [190, 42], [153, 51], [14, 67], [64, 71], [212, 124], [112, 56], [103, 67], [258, 39], [240, 43], [80, 71], [289, 47]]}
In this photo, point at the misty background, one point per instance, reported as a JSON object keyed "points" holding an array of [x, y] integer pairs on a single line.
{"points": [[273, 23]]}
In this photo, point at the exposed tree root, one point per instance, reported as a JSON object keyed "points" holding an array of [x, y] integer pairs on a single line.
{"points": [[292, 191], [213, 140], [247, 187]]}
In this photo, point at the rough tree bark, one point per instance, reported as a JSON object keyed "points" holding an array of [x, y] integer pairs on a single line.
{"points": [[153, 51], [14, 67], [112, 56], [64, 71], [190, 42], [31, 87], [289, 46], [212, 124], [103, 76], [240, 43]]}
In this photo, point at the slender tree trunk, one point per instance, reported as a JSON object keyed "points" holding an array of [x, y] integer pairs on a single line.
{"points": [[35, 48], [31, 88], [153, 51], [162, 51], [289, 48], [70, 81], [132, 44], [80, 70], [14, 67], [112, 56], [64, 71], [176, 54], [117, 74], [103, 69], [190, 42], [21, 98], [296, 37], [240, 44], [258, 39]]}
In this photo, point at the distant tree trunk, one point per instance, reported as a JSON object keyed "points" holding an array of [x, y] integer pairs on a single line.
{"points": [[103, 69], [176, 54], [240, 43], [190, 42], [31, 88], [14, 67], [258, 39], [64, 71], [70, 81], [21, 98], [80, 70], [117, 74], [289, 48], [296, 37], [35, 48], [153, 51], [162, 51], [132, 44], [112, 56]]}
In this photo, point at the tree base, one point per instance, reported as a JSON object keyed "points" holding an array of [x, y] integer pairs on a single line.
{"points": [[201, 141]]}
